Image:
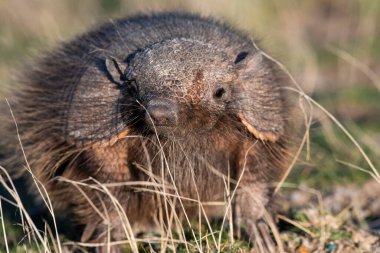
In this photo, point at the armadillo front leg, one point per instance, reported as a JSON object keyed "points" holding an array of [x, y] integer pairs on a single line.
{"points": [[109, 165], [252, 196]]}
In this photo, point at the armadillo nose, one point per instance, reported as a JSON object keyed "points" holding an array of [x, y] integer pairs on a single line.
{"points": [[162, 113]]}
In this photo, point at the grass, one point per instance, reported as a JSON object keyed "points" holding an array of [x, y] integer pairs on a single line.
{"points": [[331, 48]]}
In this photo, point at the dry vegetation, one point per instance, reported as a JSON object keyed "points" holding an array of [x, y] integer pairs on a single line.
{"points": [[332, 48]]}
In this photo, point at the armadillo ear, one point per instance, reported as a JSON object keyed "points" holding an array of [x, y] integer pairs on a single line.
{"points": [[259, 98], [115, 69]]}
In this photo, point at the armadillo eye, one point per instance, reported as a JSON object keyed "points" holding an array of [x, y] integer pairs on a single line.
{"points": [[219, 92], [240, 57]]}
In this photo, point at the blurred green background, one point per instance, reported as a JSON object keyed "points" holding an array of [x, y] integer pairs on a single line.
{"points": [[331, 47]]}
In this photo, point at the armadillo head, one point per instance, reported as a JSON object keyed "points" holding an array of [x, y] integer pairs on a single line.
{"points": [[184, 85]]}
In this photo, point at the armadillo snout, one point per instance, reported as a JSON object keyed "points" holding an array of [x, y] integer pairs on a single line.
{"points": [[161, 113]]}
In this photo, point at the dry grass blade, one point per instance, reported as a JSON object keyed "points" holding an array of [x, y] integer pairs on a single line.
{"points": [[375, 79], [123, 216], [41, 189], [296, 224], [299, 91], [3, 227], [361, 169], [37, 236]]}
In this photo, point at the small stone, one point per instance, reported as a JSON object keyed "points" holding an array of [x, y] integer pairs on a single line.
{"points": [[303, 249]]}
